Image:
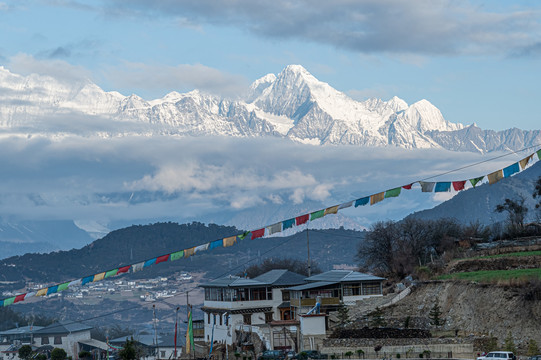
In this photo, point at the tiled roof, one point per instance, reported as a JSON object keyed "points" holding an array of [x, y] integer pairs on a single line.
{"points": [[21, 330], [278, 277], [312, 285], [343, 276], [63, 327]]}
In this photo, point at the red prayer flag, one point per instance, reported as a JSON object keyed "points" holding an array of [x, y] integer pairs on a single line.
{"points": [[407, 187], [258, 233], [459, 185], [123, 269], [163, 258], [19, 298], [299, 220]]}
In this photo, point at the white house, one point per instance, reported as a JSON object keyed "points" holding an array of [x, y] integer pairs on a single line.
{"points": [[65, 335], [232, 301]]}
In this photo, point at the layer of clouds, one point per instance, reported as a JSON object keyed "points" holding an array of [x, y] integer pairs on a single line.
{"points": [[421, 27], [183, 77], [134, 179]]}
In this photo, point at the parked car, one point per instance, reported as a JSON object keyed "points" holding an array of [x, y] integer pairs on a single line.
{"points": [[291, 355], [535, 357], [272, 355], [497, 355], [310, 354]]}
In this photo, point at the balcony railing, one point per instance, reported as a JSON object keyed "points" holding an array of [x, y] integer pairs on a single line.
{"points": [[312, 302]]}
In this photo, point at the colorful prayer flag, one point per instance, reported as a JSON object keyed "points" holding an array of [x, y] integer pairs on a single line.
{"points": [[99, 276], [510, 170], [275, 228], [201, 248], [229, 241], [63, 286], [137, 267], [539, 154], [243, 235], [42, 292], [149, 262], [459, 185], [19, 298], [86, 280], [524, 162], [427, 186], [286, 224], [123, 270], [162, 258], [392, 193], [258, 233], [76, 282], [362, 201], [217, 243], [302, 219], [317, 214], [52, 290], [407, 187], [177, 255], [9, 301], [345, 205], [111, 273], [376, 198], [495, 177], [444, 186], [331, 210], [189, 252], [476, 180], [189, 334]]}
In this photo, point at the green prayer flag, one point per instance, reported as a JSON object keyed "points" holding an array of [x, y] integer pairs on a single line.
{"points": [[243, 235], [111, 273], [539, 154], [476, 180], [392, 193], [9, 301], [63, 286], [317, 214], [177, 255]]}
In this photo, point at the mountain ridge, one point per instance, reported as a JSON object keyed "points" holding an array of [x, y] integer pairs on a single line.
{"points": [[293, 104]]}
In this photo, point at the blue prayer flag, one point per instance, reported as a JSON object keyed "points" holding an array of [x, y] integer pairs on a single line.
{"points": [[286, 224], [510, 170], [215, 244], [443, 186], [362, 201], [87, 279], [52, 290], [149, 262]]}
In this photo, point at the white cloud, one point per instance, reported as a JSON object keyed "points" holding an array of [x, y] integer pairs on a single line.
{"points": [[25, 64], [183, 77]]}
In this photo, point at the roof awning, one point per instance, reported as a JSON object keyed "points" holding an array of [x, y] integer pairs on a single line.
{"points": [[94, 343]]}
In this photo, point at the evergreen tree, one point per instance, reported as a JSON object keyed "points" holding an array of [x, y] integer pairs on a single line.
{"points": [[510, 344], [25, 351], [377, 318], [128, 352], [343, 315], [435, 315], [533, 349]]}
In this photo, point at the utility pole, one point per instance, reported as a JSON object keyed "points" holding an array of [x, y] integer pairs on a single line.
{"points": [[308, 248], [156, 332]]}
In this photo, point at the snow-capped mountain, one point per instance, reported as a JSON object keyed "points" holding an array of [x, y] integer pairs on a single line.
{"points": [[293, 104]]}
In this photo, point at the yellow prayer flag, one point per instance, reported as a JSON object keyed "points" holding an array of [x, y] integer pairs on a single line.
{"points": [[99, 277], [331, 210], [189, 252], [495, 177], [376, 198], [230, 241], [42, 292], [525, 161]]}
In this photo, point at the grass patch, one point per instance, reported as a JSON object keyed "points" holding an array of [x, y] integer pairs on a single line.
{"points": [[493, 275], [513, 254]]}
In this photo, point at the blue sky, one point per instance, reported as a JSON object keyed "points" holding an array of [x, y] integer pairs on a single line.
{"points": [[477, 61]]}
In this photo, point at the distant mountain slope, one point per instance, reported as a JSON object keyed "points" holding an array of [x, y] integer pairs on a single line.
{"points": [[293, 104], [478, 204], [138, 243]]}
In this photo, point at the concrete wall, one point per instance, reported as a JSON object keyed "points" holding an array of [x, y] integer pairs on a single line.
{"points": [[463, 351]]}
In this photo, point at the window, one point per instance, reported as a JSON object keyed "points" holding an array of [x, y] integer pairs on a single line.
{"points": [[226, 320], [268, 317], [372, 288], [44, 340], [162, 354], [285, 295], [214, 318], [57, 340], [220, 319], [247, 319], [208, 316]]}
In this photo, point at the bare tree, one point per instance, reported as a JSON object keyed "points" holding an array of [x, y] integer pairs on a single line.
{"points": [[516, 214]]}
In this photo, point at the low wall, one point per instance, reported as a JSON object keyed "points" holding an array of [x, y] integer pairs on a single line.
{"points": [[407, 348]]}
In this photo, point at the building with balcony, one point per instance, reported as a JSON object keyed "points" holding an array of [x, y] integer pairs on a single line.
{"points": [[333, 288], [233, 303]]}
